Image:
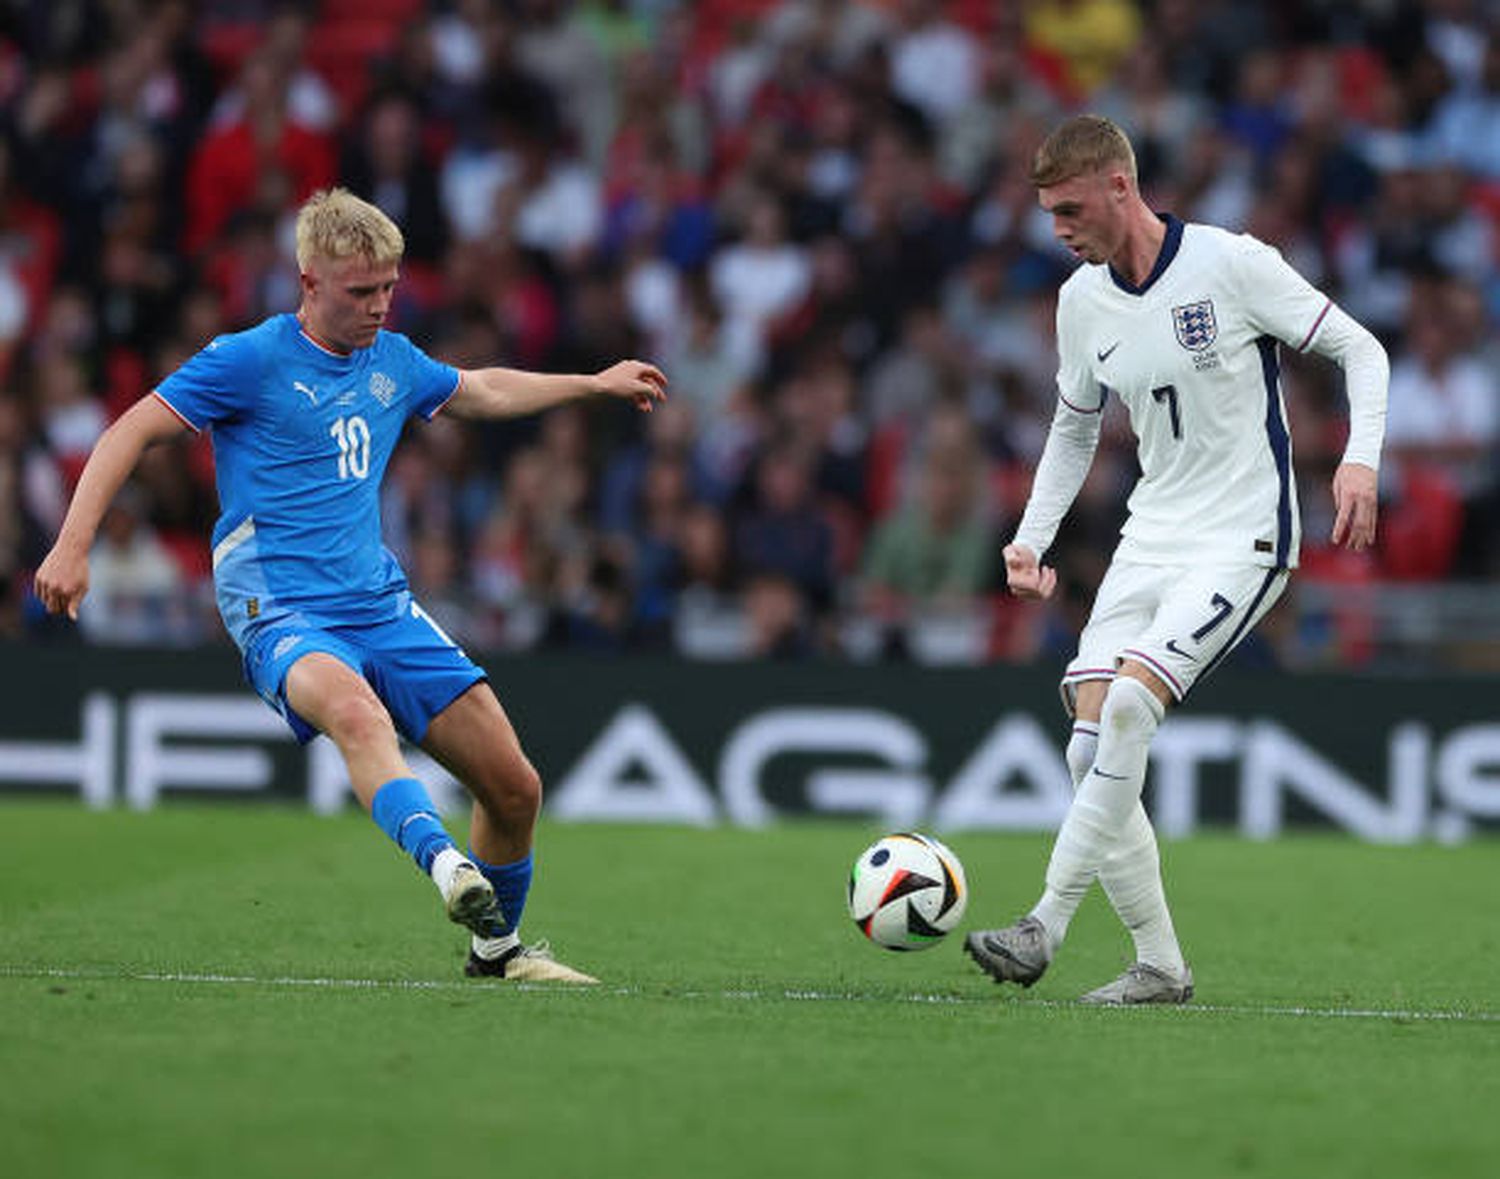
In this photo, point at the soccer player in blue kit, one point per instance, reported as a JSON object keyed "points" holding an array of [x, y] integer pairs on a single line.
{"points": [[305, 410]]}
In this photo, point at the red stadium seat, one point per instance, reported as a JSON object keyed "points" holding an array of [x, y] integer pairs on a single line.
{"points": [[341, 50], [227, 45]]}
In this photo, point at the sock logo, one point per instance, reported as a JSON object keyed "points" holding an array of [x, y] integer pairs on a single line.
{"points": [[412, 818]]}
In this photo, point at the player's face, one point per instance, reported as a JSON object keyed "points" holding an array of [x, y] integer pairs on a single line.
{"points": [[345, 300], [1088, 213]]}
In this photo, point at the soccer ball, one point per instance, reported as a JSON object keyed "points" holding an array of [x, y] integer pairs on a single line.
{"points": [[907, 891]]}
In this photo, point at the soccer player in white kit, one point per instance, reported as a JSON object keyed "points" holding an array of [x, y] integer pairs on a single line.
{"points": [[1182, 323]]}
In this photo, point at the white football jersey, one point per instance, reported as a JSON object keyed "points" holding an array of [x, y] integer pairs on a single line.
{"points": [[1192, 352]]}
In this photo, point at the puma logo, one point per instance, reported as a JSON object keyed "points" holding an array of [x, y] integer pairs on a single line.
{"points": [[310, 390]]}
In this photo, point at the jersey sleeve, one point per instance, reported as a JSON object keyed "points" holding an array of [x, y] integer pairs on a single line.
{"points": [[1277, 300], [1076, 387], [215, 384], [432, 382], [1071, 442], [1281, 303]]}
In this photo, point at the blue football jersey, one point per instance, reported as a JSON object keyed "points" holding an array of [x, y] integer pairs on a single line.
{"points": [[301, 439]]}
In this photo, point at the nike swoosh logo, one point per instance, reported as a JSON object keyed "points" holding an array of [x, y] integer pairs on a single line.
{"points": [[1112, 777], [1176, 650], [1105, 355]]}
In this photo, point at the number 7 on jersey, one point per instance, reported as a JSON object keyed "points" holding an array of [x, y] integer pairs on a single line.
{"points": [[1168, 393]]}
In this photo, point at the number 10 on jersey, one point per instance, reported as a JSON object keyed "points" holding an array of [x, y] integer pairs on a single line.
{"points": [[353, 437]]}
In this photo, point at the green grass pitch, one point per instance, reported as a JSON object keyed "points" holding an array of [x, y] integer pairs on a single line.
{"points": [[223, 991]]}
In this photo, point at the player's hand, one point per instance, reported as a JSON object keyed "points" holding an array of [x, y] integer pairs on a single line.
{"points": [[636, 381], [1027, 577], [1355, 504], [62, 580]]}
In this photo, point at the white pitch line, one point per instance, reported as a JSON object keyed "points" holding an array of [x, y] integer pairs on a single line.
{"points": [[792, 995]]}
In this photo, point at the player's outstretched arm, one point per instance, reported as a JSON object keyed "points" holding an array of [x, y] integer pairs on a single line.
{"points": [[513, 393], [1356, 504], [63, 577], [1025, 575]]}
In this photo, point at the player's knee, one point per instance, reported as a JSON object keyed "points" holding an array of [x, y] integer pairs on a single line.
{"points": [[1130, 709], [512, 794], [525, 788], [356, 719]]}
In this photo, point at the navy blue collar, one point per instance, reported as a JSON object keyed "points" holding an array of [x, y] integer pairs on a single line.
{"points": [[1169, 247]]}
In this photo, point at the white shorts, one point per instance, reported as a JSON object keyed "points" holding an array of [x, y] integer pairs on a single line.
{"points": [[1178, 620]]}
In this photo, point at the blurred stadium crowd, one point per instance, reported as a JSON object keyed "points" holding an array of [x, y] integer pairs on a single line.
{"points": [[814, 215]]}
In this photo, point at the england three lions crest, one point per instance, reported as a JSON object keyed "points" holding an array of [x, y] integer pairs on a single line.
{"points": [[1195, 325]]}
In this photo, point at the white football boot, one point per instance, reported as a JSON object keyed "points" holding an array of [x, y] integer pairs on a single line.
{"points": [[470, 901], [525, 964]]}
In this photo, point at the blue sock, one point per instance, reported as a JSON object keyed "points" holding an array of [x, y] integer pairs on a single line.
{"points": [[403, 809], [511, 883]]}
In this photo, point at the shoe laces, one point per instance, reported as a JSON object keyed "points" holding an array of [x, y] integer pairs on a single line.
{"points": [[541, 949], [1030, 934]]}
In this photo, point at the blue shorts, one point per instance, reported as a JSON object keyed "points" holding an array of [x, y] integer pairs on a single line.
{"points": [[415, 669]]}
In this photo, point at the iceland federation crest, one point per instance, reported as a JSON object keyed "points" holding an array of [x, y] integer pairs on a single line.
{"points": [[1195, 325], [382, 388]]}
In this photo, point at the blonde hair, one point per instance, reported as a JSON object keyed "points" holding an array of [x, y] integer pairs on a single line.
{"points": [[335, 224], [1082, 144]]}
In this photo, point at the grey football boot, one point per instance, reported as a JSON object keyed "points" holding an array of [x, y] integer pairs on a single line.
{"points": [[1019, 953], [1142, 983]]}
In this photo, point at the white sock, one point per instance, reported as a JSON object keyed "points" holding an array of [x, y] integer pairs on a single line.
{"points": [[1081, 749], [1131, 877], [444, 865], [1103, 803], [1131, 872], [492, 947]]}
